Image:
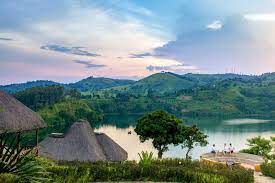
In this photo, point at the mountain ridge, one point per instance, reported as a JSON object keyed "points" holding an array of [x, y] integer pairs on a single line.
{"points": [[161, 82]]}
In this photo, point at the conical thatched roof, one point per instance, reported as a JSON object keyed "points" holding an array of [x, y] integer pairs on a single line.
{"points": [[15, 116], [80, 143], [113, 151]]}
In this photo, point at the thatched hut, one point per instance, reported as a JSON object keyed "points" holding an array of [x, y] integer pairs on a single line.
{"points": [[15, 117], [81, 143]]}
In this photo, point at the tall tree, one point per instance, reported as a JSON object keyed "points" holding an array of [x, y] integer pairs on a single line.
{"points": [[192, 137], [162, 128]]}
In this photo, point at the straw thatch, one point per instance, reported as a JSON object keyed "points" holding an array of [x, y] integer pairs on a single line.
{"points": [[80, 143], [16, 117], [113, 151]]}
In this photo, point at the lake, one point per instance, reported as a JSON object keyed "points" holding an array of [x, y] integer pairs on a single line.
{"points": [[219, 131]]}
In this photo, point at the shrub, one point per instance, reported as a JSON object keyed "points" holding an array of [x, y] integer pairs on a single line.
{"points": [[146, 158], [268, 169], [167, 170], [258, 146], [8, 178]]}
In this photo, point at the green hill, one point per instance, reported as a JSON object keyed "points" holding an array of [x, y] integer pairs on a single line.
{"points": [[88, 84], [92, 84], [13, 88], [161, 83]]}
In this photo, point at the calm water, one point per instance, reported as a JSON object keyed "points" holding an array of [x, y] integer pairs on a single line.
{"points": [[220, 131]]}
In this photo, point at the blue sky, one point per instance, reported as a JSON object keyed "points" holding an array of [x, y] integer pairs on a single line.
{"points": [[67, 40]]}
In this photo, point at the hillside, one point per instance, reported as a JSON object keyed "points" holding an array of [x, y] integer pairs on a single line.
{"points": [[13, 88], [188, 95], [88, 84], [161, 83], [192, 95], [168, 82], [92, 83]]}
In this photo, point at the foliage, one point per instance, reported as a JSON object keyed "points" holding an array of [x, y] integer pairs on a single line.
{"points": [[145, 158], [224, 98], [189, 95], [14, 161], [161, 127], [170, 170], [268, 169], [8, 178], [38, 97], [91, 83], [192, 137], [258, 146], [31, 170], [73, 93], [13, 88], [10, 153], [60, 116]]}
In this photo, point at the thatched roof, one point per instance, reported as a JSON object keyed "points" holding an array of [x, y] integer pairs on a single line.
{"points": [[113, 151], [15, 116], [80, 143]]}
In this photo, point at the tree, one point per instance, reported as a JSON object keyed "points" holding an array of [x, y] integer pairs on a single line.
{"points": [[162, 128], [258, 146], [192, 137], [74, 93]]}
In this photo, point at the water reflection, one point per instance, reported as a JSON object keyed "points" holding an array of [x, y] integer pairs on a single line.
{"points": [[220, 131]]}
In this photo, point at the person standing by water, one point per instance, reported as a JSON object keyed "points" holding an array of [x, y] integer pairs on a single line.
{"points": [[224, 149], [231, 149], [214, 149]]}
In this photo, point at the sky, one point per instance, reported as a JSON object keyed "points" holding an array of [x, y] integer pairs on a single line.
{"points": [[68, 40]]}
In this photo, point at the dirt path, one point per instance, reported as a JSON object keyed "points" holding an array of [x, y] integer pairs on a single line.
{"points": [[259, 178]]}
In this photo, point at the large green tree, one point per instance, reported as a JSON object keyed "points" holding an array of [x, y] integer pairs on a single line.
{"points": [[162, 128], [192, 137]]}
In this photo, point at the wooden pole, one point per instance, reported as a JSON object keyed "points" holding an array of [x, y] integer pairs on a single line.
{"points": [[36, 135], [18, 141], [37, 140]]}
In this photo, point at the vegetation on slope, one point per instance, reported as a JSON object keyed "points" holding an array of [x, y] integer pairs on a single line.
{"points": [[167, 170], [223, 98], [92, 84], [13, 88]]}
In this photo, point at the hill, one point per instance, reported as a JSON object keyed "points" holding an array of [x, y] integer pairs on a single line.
{"points": [[92, 83], [13, 88], [167, 82], [161, 83], [88, 84]]}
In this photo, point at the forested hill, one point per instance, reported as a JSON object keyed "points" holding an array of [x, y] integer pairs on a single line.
{"points": [[92, 83], [168, 82], [164, 82], [88, 84], [13, 88]]}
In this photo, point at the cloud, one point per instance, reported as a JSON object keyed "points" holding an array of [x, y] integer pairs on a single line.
{"points": [[69, 50], [173, 68], [215, 25], [88, 64], [144, 55], [260, 17], [141, 55], [5, 39], [246, 46]]}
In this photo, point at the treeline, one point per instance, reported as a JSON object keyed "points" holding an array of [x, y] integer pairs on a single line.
{"points": [[59, 108], [38, 97]]}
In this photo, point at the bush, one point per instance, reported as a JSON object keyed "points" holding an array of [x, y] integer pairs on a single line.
{"points": [[145, 158], [268, 169], [8, 178], [167, 170]]}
